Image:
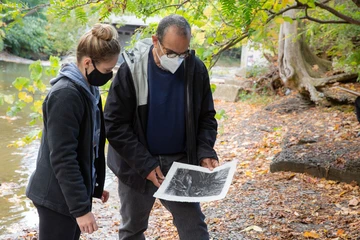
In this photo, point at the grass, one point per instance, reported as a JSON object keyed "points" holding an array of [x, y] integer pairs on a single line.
{"points": [[256, 99]]}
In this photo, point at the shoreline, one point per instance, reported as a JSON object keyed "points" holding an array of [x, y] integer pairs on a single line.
{"points": [[8, 57], [11, 58]]}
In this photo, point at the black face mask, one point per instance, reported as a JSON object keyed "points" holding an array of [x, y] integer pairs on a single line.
{"points": [[97, 78]]}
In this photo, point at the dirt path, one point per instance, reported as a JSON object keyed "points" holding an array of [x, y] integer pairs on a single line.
{"points": [[260, 204]]}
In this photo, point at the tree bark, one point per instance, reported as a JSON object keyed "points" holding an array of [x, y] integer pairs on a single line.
{"points": [[299, 67]]}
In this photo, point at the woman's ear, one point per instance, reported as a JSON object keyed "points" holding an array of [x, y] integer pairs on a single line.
{"points": [[86, 62]]}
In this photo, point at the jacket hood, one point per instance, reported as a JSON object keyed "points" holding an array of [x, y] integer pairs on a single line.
{"points": [[72, 73], [142, 48]]}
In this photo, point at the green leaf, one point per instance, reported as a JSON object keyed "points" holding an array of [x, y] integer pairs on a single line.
{"points": [[54, 62], [20, 83], [13, 110], [36, 70], [220, 114], [213, 87], [9, 99], [34, 117], [81, 15], [311, 3], [40, 85], [288, 19], [210, 40]]}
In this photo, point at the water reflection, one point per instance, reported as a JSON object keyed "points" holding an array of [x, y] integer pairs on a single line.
{"points": [[16, 163]]}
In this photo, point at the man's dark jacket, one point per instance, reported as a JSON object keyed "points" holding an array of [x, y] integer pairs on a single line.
{"points": [[62, 180], [126, 112]]}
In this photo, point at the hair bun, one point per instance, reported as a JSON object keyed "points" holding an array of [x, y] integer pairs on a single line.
{"points": [[104, 32]]}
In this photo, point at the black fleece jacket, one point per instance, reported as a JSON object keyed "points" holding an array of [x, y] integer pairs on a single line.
{"points": [[62, 180], [126, 121]]}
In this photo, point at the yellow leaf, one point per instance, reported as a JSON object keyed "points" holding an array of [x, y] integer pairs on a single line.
{"points": [[279, 20], [311, 234], [38, 106], [263, 171], [31, 89], [200, 37], [208, 11], [25, 97], [342, 193]]}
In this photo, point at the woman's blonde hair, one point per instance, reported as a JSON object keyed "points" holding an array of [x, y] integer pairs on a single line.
{"points": [[100, 43]]}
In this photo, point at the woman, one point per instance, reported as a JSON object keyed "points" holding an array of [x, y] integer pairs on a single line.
{"points": [[70, 168]]}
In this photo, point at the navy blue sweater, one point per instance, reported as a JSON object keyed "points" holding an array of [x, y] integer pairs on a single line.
{"points": [[166, 116]]}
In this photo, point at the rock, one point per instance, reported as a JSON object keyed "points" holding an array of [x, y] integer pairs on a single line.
{"points": [[292, 103], [339, 161], [226, 92]]}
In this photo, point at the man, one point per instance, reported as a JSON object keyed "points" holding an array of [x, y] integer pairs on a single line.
{"points": [[159, 110]]}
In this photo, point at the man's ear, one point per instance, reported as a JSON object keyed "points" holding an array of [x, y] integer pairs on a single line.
{"points": [[155, 40]]}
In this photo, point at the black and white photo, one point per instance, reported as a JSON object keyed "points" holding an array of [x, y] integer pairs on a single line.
{"points": [[189, 183]]}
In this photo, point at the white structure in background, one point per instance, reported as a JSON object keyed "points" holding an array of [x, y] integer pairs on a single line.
{"points": [[250, 57]]}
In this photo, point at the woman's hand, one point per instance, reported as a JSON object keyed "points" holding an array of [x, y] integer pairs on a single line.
{"points": [[87, 223]]}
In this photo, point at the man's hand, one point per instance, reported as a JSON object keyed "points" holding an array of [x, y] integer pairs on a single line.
{"points": [[209, 163], [105, 196], [87, 223], [156, 176]]}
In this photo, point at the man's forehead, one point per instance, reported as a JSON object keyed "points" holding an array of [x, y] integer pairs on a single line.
{"points": [[174, 33]]}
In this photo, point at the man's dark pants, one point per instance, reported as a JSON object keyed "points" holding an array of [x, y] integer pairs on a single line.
{"points": [[136, 207]]}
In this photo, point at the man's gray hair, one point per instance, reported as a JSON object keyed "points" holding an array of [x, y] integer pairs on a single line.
{"points": [[180, 22]]}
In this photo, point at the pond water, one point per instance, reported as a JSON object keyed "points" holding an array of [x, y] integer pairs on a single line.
{"points": [[16, 211], [16, 163]]}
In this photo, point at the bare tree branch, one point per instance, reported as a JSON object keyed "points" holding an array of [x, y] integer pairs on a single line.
{"points": [[169, 6], [29, 11], [357, 2], [338, 14], [82, 5], [227, 46], [321, 21], [325, 2]]}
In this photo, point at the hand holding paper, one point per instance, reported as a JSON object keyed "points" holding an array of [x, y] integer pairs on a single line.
{"points": [[189, 183]]}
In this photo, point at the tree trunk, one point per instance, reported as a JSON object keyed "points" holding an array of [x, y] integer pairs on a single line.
{"points": [[299, 67]]}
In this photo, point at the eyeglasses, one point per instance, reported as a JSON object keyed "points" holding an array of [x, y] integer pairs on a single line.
{"points": [[171, 54]]}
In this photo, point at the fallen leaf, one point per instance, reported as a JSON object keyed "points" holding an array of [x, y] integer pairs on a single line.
{"points": [[311, 234], [343, 192], [254, 227], [340, 232], [353, 202]]}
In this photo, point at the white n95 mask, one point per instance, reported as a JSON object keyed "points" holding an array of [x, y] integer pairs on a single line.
{"points": [[170, 64]]}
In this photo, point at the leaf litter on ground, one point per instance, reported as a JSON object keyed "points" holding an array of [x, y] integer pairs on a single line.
{"points": [[261, 204]]}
